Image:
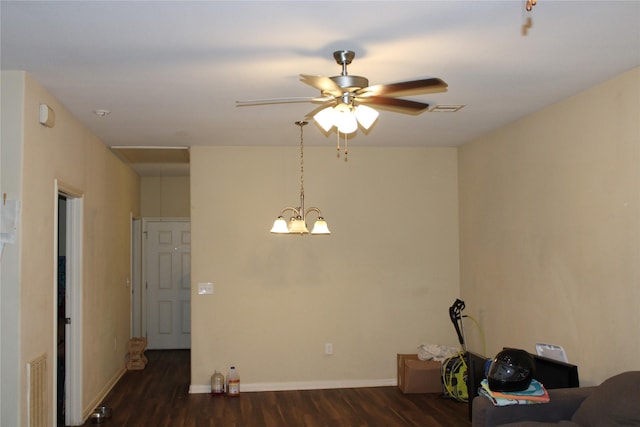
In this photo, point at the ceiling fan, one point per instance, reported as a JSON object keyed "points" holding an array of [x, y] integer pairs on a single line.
{"points": [[344, 100]]}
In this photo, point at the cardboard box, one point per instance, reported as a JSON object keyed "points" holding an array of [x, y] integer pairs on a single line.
{"points": [[419, 376]]}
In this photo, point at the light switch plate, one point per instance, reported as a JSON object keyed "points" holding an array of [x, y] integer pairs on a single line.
{"points": [[205, 288]]}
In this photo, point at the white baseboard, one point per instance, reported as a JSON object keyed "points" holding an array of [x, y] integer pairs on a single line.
{"points": [[103, 393], [302, 385]]}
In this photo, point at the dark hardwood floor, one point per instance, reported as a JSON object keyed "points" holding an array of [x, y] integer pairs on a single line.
{"points": [[158, 396]]}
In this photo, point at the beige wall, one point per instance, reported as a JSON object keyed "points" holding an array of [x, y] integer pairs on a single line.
{"points": [[79, 161], [550, 230], [165, 197], [379, 285]]}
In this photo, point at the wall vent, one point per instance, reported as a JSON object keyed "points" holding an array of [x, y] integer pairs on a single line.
{"points": [[37, 392]]}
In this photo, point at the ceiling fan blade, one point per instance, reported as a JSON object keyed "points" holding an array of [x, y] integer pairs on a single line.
{"points": [[323, 84], [268, 101], [396, 104], [429, 85]]}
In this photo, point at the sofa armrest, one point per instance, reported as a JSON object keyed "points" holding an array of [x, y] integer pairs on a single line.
{"points": [[563, 403]]}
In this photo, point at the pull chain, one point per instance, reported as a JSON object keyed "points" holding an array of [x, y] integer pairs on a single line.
{"points": [[346, 146]]}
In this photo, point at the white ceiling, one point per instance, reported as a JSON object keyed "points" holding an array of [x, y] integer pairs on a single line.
{"points": [[171, 71]]}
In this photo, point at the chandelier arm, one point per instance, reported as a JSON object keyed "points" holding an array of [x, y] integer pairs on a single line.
{"points": [[313, 209], [296, 211]]}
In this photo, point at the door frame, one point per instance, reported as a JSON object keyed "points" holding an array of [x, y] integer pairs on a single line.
{"points": [[143, 282], [73, 296]]}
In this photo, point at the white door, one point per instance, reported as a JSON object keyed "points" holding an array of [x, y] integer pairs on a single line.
{"points": [[136, 278], [168, 268]]}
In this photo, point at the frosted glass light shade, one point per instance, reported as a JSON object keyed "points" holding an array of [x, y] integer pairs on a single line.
{"points": [[346, 121], [320, 227], [280, 226], [297, 226], [325, 118], [366, 116]]}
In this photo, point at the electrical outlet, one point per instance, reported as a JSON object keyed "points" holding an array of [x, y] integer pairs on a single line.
{"points": [[328, 348]]}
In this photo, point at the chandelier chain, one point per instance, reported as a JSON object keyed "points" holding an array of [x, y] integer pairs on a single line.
{"points": [[301, 124]]}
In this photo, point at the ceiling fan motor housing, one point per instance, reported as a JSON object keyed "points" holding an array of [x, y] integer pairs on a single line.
{"points": [[350, 83]]}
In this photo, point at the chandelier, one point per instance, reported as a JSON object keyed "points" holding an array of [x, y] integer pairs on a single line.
{"points": [[297, 223]]}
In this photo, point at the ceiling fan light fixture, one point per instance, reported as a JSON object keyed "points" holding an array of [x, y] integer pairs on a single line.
{"points": [[366, 116], [346, 118]]}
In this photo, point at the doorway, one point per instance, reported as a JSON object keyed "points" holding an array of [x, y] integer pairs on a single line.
{"points": [[67, 375], [61, 312], [136, 278], [167, 278]]}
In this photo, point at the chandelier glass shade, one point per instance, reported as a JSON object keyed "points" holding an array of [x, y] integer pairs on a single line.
{"points": [[346, 117], [297, 224]]}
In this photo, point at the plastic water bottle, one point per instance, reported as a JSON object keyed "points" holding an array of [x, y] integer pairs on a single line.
{"points": [[233, 382], [217, 383]]}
